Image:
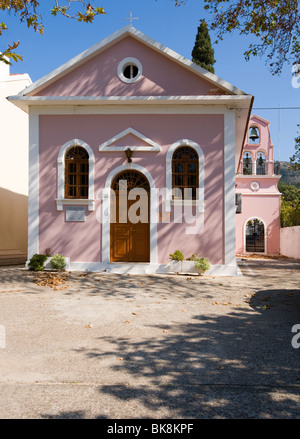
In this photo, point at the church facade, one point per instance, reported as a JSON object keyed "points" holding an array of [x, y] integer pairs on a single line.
{"points": [[133, 154]]}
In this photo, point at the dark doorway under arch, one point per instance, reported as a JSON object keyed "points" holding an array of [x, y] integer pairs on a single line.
{"points": [[255, 236]]}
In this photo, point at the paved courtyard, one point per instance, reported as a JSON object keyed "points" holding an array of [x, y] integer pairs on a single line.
{"points": [[96, 345]]}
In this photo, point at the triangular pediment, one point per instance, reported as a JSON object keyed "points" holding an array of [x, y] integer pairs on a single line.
{"points": [[165, 72], [129, 138]]}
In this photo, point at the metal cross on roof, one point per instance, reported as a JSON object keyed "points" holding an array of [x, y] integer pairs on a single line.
{"points": [[131, 18]]}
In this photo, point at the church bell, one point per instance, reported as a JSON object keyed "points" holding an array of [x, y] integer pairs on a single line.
{"points": [[254, 134]]}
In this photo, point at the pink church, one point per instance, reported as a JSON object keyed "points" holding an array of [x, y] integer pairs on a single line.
{"points": [[258, 214], [133, 154]]}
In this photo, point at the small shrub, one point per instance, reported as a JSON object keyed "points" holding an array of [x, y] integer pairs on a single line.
{"points": [[176, 256], [202, 264], [192, 258], [37, 262], [58, 262]]}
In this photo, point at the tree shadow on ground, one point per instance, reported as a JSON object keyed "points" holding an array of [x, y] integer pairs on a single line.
{"points": [[76, 414], [238, 365]]}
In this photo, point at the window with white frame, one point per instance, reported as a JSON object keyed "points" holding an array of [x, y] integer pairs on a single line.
{"points": [[130, 70], [185, 174], [75, 175]]}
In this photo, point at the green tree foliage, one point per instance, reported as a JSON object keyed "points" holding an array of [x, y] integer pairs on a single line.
{"points": [[295, 159], [203, 53], [275, 24], [290, 205], [27, 11], [288, 175]]}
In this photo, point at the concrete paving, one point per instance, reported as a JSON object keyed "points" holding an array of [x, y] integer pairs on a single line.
{"points": [[96, 345]]}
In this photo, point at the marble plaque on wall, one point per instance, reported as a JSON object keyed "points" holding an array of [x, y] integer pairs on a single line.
{"points": [[75, 213]]}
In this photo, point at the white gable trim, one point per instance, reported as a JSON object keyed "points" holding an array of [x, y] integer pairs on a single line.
{"points": [[106, 146], [112, 39]]}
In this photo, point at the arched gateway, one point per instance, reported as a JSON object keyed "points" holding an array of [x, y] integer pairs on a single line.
{"points": [[255, 236]]}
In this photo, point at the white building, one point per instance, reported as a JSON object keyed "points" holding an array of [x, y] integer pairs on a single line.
{"points": [[13, 169]]}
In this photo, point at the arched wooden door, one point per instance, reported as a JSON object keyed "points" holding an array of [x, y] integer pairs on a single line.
{"points": [[130, 218]]}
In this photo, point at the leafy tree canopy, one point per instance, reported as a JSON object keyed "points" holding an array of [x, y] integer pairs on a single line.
{"points": [[290, 204], [295, 159], [276, 24], [289, 192], [27, 11]]}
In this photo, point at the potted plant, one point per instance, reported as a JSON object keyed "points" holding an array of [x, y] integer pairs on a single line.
{"points": [[201, 265], [188, 266], [176, 261], [58, 262], [37, 262]]}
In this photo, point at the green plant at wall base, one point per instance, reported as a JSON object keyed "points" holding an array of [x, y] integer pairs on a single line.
{"points": [[202, 264], [58, 262], [37, 262], [192, 258], [176, 256]]}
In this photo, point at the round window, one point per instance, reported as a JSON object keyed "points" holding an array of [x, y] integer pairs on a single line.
{"points": [[129, 70]]}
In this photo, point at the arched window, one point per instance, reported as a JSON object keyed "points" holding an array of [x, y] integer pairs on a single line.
{"points": [[76, 173], [247, 163], [261, 164], [185, 172]]}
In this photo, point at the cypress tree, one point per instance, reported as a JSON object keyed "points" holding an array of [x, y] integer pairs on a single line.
{"points": [[203, 53]]}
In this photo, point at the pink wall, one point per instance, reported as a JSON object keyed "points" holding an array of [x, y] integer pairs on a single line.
{"points": [[266, 208], [82, 241], [98, 76], [289, 242], [267, 184]]}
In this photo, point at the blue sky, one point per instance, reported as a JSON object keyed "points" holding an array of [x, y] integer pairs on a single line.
{"points": [[176, 28]]}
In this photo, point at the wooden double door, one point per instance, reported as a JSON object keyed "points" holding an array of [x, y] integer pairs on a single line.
{"points": [[130, 218]]}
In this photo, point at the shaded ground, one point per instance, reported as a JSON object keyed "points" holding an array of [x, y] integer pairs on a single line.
{"points": [[95, 345]]}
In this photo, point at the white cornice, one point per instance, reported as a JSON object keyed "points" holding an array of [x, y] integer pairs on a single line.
{"points": [[258, 176], [239, 102], [258, 194]]}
